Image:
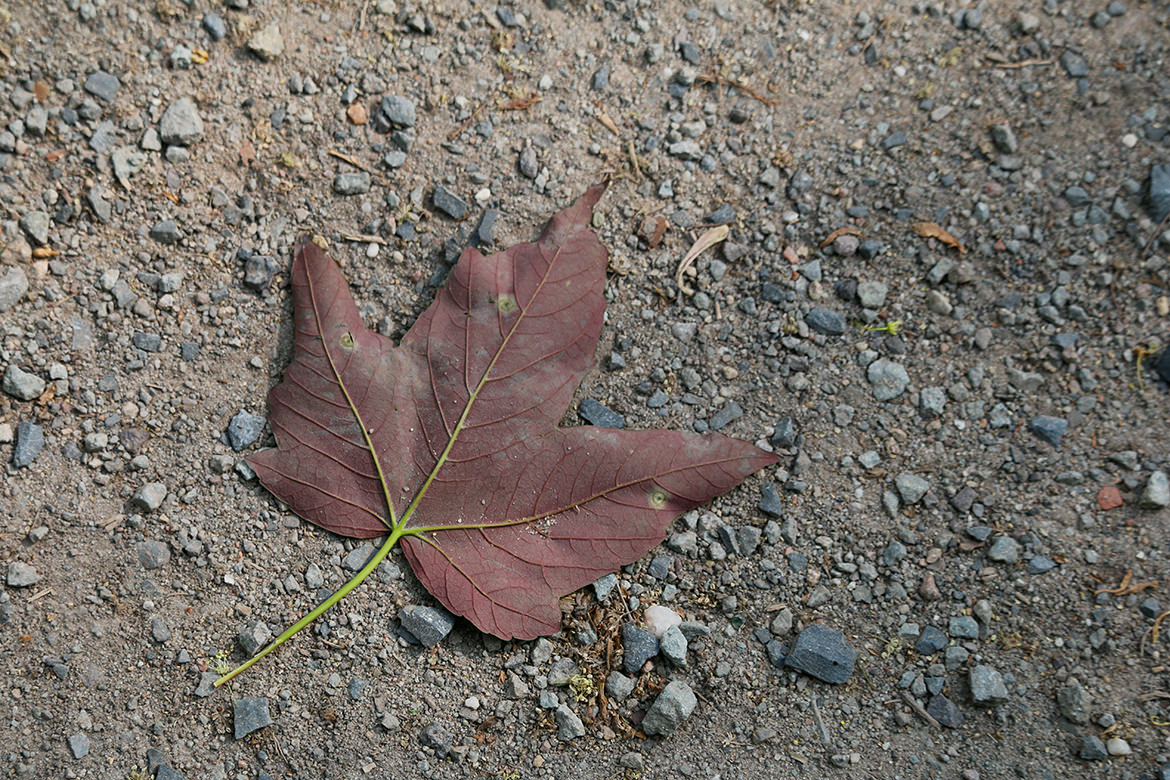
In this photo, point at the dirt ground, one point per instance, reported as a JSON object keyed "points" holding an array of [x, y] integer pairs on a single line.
{"points": [[1007, 485]]}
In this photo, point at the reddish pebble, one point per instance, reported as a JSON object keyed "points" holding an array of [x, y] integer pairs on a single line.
{"points": [[1109, 497]]}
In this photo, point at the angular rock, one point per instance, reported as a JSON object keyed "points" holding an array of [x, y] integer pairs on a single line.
{"points": [[911, 487], [79, 745], [429, 625], [258, 272], [267, 43], [30, 440], [13, 286], [102, 85], [670, 710], [569, 726], [153, 554], [945, 711], [823, 653], [397, 111], [22, 575], [618, 686], [930, 641], [729, 413], [594, 413], [1158, 192], [250, 714], [987, 686], [640, 646], [149, 497], [35, 224], [889, 379], [166, 232], [1092, 748], [181, 124], [1157, 491], [244, 429], [449, 203], [1074, 702], [127, 161], [1004, 550], [351, 183], [825, 321], [254, 635], [22, 385], [1049, 429], [872, 294]]}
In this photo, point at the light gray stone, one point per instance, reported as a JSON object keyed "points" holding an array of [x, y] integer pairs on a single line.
{"points": [[670, 710], [13, 286], [181, 124], [21, 384]]}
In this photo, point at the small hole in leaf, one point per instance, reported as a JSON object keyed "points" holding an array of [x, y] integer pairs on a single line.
{"points": [[658, 498], [347, 341], [506, 304]]}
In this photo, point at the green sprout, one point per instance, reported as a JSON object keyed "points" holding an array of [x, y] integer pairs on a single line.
{"points": [[893, 327]]}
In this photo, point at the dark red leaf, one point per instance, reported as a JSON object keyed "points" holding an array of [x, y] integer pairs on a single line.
{"points": [[450, 440]]}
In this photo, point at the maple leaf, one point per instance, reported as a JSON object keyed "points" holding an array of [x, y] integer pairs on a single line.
{"points": [[448, 444]]}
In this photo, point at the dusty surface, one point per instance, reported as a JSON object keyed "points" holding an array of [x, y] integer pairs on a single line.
{"points": [[102, 647]]}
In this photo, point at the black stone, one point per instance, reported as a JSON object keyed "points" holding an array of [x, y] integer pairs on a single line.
{"points": [[823, 653], [945, 712], [1163, 365], [825, 321], [639, 646], [1093, 749], [437, 738], [930, 641], [770, 503], [784, 434], [594, 413], [449, 203], [1049, 429]]}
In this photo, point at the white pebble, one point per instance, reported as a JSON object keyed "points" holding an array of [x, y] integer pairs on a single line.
{"points": [[372, 250], [1118, 747], [471, 703], [1130, 140], [659, 619]]}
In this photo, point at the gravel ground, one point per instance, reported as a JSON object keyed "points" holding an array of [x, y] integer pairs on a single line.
{"points": [[968, 530]]}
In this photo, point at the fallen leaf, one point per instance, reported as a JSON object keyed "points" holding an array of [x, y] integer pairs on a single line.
{"points": [[709, 239], [41, 91], [607, 122], [931, 230], [247, 153], [449, 443]]}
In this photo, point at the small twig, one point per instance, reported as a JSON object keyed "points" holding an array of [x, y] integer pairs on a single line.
{"points": [[40, 595], [715, 78], [363, 238], [351, 160], [1022, 64], [467, 122], [920, 710], [1125, 588], [1154, 236], [1154, 695], [1157, 623], [822, 729]]}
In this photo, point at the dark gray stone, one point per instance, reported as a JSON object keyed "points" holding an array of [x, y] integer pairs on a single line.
{"points": [[1040, 564], [1049, 429], [244, 429], [930, 641], [79, 745], [945, 711], [1074, 64], [254, 635], [723, 215], [250, 714], [670, 710], [639, 645], [594, 413], [1158, 195], [449, 203], [166, 773], [398, 111], [206, 685], [485, 230], [894, 140], [784, 434], [258, 272], [1163, 365], [729, 413], [825, 321], [1092, 749], [152, 554], [528, 163], [166, 232], [569, 726], [30, 440], [102, 85], [429, 625], [987, 686], [770, 503], [600, 80], [181, 124], [438, 739], [147, 342], [823, 653]]}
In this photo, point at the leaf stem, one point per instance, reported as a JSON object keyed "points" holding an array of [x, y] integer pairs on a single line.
{"points": [[323, 607]]}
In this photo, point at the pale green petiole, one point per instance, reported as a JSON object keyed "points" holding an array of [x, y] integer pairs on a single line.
{"points": [[324, 606]]}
